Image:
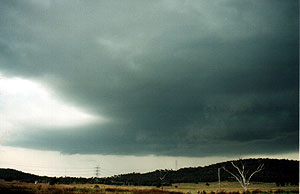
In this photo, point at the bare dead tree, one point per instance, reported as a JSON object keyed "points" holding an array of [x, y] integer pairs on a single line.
{"points": [[162, 178], [241, 175]]}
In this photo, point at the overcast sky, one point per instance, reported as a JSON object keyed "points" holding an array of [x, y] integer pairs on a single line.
{"points": [[170, 80]]}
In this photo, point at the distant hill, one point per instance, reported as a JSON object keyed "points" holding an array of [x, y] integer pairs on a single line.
{"points": [[11, 174], [281, 172]]}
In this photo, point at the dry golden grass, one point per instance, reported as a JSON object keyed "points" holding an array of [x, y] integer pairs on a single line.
{"points": [[44, 188], [227, 187]]}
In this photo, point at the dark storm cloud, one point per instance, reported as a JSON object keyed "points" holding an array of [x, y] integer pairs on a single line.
{"points": [[192, 78]]}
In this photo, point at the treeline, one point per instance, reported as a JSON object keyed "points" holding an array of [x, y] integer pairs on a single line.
{"points": [[15, 175], [281, 172]]}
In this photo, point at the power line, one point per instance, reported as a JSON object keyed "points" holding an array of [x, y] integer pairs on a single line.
{"points": [[61, 171]]}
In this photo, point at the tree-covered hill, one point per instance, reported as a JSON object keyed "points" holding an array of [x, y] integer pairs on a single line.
{"points": [[11, 174], [281, 172]]}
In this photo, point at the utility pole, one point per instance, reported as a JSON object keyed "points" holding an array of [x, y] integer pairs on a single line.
{"points": [[97, 171], [219, 178], [97, 174]]}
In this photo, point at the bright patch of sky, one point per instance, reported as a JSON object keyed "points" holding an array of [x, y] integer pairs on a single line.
{"points": [[25, 104]]}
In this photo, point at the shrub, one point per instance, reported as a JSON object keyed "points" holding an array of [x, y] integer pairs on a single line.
{"points": [[53, 181], [39, 187]]}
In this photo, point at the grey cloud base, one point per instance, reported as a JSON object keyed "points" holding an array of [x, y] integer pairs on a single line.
{"points": [[91, 141], [196, 78]]}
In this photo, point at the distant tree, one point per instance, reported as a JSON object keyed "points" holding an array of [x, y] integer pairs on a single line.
{"points": [[53, 181], [158, 184], [242, 174]]}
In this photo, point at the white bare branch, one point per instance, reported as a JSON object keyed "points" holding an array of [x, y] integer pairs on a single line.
{"points": [[243, 167], [236, 177], [259, 168], [241, 176], [241, 173], [163, 177]]}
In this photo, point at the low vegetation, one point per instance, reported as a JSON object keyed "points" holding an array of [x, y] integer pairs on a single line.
{"points": [[15, 187], [29, 188]]}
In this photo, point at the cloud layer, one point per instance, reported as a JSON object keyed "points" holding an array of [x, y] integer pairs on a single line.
{"points": [[178, 78]]}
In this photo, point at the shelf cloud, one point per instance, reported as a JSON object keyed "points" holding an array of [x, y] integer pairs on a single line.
{"points": [[170, 78]]}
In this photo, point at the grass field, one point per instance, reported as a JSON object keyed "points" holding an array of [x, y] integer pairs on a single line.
{"points": [[229, 187], [226, 187]]}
